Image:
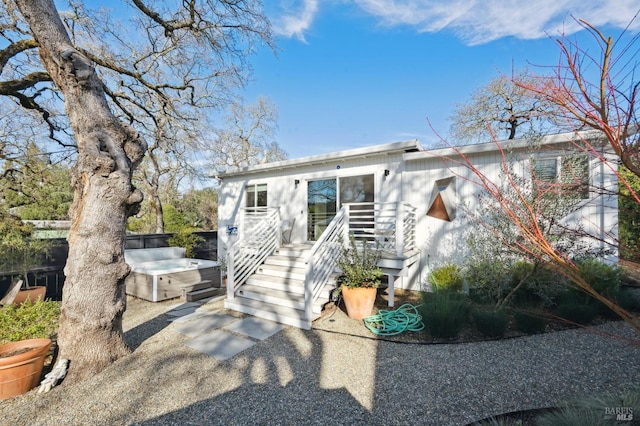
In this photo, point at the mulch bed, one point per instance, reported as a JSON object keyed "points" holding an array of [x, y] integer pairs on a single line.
{"points": [[468, 334]]}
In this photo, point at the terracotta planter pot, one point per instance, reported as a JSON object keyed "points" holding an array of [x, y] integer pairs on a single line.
{"points": [[21, 372], [359, 301], [31, 293]]}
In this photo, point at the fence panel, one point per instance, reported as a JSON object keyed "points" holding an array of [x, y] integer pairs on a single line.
{"points": [[51, 272]]}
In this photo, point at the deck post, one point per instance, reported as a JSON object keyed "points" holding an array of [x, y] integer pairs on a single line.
{"points": [[346, 228], [230, 274], [308, 291], [399, 229], [278, 228]]}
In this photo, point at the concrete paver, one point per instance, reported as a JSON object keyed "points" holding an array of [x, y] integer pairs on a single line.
{"points": [[220, 345]]}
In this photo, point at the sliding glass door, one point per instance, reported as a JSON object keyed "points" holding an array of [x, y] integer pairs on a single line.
{"points": [[322, 199], [325, 196]]}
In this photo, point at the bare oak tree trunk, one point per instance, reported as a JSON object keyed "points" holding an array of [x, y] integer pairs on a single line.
{"points": [[93, 302], [159, 213]]}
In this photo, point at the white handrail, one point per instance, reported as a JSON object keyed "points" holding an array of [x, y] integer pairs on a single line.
{"points": [[260, 238], [323, 260], [389, 226]]}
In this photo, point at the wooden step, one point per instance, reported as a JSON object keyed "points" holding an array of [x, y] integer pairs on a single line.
{"points": [[276, 283], [205, 293], [283, 271], [187, 288], [280, 314], [288, 261], [280, 298], [299, 251], [286, 284]]}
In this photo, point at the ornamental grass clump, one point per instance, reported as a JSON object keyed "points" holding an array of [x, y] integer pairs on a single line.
{"points": [[629, 299], [490, 322], [530, 322], [444, 313], [579, 313], [597, 410]]}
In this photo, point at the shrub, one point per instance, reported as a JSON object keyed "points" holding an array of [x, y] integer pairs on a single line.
{"points": [[540, 286], [488, 280], [30, 320], [591, 411], [490, 322], [579, 313], [187, 239], [530, 322], [444, 313], [629, 299], [604, 278], [447, 277]]}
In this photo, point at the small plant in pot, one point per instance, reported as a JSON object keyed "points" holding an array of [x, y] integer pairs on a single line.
{"points": [[26, 334], [360, 278], [20, 252]]}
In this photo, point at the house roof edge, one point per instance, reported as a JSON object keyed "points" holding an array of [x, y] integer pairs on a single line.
{"points": [[412, 145]]}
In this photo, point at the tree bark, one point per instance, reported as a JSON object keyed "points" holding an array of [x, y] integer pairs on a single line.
{"points": [[159, 213], [93, 300]]}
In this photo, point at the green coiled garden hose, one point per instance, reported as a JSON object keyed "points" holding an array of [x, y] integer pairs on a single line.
{"points": [[393, 322]]}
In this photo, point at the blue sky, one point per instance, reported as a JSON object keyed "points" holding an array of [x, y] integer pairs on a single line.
{"points": [[352, 73]]}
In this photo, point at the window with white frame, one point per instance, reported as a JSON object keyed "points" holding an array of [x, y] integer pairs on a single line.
{"points": [[567, 175], [256, 195]]}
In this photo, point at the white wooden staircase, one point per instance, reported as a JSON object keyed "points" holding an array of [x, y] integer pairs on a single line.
{"points": [[276, 291], [290, 284]]}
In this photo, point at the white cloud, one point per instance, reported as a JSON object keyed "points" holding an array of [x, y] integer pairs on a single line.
{"points": [[295, 18], [481, 21], [474, 21]]}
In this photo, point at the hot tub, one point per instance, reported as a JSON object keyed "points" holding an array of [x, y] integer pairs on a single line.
{"points": [[163, 273]]}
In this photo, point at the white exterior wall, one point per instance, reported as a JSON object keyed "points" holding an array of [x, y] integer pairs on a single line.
{"points": [[292, 201], [411, 180], [442, 242]]}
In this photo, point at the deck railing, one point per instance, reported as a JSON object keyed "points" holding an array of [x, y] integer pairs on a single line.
{"points": [[388, 226], [377, 224], [260, 238], [323, 260]]}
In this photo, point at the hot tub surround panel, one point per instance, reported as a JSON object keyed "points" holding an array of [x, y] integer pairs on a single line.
{"points": [[157, 275]]}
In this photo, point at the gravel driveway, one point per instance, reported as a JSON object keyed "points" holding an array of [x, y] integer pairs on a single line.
{"points": [[330, 377]]}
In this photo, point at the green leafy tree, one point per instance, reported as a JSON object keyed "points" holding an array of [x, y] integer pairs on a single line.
{"points": [[19, 251], [629, 216], [200, 208], [35, 187]]}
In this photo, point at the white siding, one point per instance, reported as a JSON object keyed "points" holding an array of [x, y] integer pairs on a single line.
{"points": [[411, 179], [282, 192]]}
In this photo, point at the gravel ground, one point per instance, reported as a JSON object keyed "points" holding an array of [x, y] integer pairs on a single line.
{"points": [[331, 376]]}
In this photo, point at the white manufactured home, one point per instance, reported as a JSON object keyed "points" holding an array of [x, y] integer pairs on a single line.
{"points": [[281, 224]]}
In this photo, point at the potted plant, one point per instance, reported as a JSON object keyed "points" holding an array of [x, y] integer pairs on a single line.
{"points": [[20, 252], [360, 278], [26, 334], [21, 366]]}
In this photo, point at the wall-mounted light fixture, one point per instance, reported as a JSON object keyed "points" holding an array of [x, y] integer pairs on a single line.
{"points": [[296, 182], [386, 173]]}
